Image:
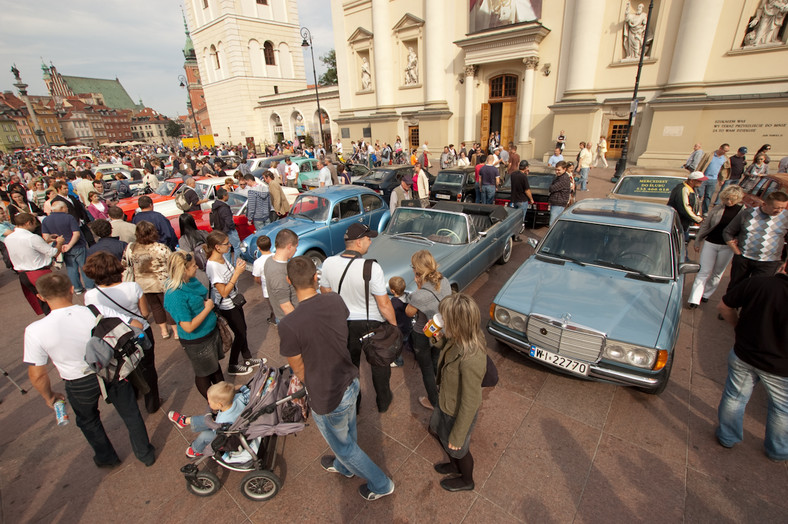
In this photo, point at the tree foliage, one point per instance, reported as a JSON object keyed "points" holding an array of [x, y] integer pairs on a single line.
{"points": [[173, 129], [329, 78]]}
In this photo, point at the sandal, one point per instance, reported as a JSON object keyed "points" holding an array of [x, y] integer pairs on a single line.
{"points": [[166, 335]]}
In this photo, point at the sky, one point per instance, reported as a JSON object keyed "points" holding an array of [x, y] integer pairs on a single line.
{"points": [[140, 43]]}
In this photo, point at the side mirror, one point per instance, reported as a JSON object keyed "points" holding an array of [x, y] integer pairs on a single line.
{"points": [[687, 268], [534, 242]]}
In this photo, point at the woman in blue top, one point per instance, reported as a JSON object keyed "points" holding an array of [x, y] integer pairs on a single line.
{"points": [[186, 300]]}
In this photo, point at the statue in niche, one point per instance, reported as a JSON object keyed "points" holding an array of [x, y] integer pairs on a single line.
{"points": [[412, 71], [634, 32], [765, 24], [366, 75]]}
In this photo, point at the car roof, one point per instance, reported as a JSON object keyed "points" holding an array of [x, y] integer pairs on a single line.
{"points": [[213, 181], [621, 213], [340, 191]]}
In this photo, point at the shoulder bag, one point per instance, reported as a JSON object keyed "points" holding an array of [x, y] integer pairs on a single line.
{"points": [[382, 345], [128, 272]]}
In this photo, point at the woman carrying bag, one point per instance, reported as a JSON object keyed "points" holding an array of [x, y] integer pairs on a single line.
{"points": [[461, 367], [229, 301], [188, 302]]}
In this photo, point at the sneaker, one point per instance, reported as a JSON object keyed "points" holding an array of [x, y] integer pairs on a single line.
{"points": [[239, 370], [327, 461], [177, 419], [252, 362], [192, 454], [364, 491], [79, 291]]}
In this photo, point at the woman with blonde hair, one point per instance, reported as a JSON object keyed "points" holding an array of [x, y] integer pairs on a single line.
{"points": [[461, 368], [423, 304], [187, 300], [146, 264], [716, 254]]}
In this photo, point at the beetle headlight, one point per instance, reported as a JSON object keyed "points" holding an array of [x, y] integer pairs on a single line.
{"points": [[243, 247], [630, 354]]}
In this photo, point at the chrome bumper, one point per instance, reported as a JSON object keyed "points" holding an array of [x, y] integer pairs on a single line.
{"points": [[594, 370]]}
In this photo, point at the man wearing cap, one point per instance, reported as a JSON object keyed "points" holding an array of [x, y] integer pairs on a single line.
{"points": [[521, 191], [684, 200], [400, 193], [343, 273]]}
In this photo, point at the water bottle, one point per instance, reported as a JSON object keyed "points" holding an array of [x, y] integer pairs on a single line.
{"points": [[60, 413]]}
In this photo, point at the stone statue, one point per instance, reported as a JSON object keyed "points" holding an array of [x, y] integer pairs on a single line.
{"points": [[765, 25], [15, 72], [366, 76], [634, 32], [412, 71]]}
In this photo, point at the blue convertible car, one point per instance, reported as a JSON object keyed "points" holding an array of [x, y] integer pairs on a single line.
{"points": [[465, 239], [601, 297], [320, 218]]}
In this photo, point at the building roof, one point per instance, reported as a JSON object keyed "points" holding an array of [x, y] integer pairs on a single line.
{"points": [[115, 96]]}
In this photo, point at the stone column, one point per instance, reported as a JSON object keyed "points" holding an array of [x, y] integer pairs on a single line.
{"points": [[527, 100], [434, 40], [586, 30], [693, 46], [469, 130], [278, 62], [384, 55]]}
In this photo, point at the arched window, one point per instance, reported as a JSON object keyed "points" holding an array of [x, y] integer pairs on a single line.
{"points": [[504, 86], [268, 53], [215, 58]]}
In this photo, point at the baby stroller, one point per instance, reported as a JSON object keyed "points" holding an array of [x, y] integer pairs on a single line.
{"points": [[277, 407]]}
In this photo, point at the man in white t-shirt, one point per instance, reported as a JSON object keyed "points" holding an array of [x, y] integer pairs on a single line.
{"points": [[343, 273], [291, 173], [324, 176], [62, 336], [258, 271]]}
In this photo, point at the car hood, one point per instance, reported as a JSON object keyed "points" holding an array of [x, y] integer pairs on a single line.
{"points": [[625, 309], [394, 254], [299, 226]]}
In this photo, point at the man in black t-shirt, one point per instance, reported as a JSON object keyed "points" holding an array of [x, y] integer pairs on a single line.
{"points": [[759, 354], [191, 196], [521, 191], [319, 357]]}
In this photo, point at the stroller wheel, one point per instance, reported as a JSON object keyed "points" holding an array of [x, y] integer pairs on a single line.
{"points": [[205, 484], [260, 485]]}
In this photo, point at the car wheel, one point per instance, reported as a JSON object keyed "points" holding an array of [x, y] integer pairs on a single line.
{"points": [[507, 252], [468, 199], [659, 389], [316, 256]]}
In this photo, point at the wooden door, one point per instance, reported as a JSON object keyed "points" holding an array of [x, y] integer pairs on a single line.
{"points": [[616, 134], [508, 111], [413, 138], [485, 131]]}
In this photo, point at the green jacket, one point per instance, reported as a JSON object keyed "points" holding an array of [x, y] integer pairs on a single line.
{"points": [[460, 383]]}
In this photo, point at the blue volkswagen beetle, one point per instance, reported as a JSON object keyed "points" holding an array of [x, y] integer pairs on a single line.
{"points": [[601, 296], [320, 218]]}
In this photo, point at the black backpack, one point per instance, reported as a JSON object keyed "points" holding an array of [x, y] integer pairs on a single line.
{"points": [[115, 349]]}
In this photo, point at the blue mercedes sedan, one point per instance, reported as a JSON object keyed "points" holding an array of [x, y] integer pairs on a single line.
{"points": [[601, 296]]}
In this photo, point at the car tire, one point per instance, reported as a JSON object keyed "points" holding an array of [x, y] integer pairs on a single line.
{"points": [[507, 252], [659, 389], [317, 257], [469, 199]]}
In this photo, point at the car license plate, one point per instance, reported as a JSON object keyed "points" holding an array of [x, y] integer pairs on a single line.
{"points": [[444, 197], [573, 366]]}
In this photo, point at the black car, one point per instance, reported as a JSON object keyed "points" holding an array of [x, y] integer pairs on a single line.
{"points": [[383, 180], [539, 179], [455, 184]]}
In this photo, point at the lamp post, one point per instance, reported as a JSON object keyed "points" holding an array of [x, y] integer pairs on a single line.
{"points": [[307, 42], [621, 165], [184, 83]]}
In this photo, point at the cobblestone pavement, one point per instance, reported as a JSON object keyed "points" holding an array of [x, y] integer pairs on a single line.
{"points": [[548, 447]]}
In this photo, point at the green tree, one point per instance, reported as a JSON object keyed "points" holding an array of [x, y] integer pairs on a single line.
{"points": [[173, 129], [329, 78]]}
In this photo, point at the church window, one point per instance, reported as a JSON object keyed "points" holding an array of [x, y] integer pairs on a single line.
{"points": [[504, 86], [268, 53], [262, 2], [215, 57]]}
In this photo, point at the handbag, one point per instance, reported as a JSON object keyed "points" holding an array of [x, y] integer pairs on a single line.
{"points": [[491, 375], [382, 345], [128, 272], [238, 299], [225, 334]]}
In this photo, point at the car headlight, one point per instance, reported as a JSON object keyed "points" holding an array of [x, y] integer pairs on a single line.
{"points": [[510, 319], [243, 247], [630, 354]]}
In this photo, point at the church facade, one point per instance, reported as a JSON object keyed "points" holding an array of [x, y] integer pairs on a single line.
{"points": [[451, 71]]}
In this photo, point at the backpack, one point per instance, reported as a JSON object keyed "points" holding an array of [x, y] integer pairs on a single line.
{"points": [[115, 349], [199, 257], [181, 202], [215, 220]]}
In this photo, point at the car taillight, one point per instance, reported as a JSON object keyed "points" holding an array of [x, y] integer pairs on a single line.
{"points": [[541, 206], [501, 202], [459, 197]]}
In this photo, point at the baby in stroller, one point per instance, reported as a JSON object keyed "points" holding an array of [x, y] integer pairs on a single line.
{"points": [[223, 399]]}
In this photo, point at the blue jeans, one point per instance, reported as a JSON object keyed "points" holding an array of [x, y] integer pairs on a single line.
{"points": [[742, 378], [478, 195], [524, 207], [339, 430], [84, 394], [75, 259], [488, 194], [206, 434], [705, 192], [235, 241], [583, 178], [260, 224], [555, 212]]}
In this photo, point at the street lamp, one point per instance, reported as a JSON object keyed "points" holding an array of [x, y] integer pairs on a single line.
{"points": [[307, 42], [184, 83], [621, 165]]}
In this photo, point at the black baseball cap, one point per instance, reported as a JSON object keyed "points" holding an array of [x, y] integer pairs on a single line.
{"points": [[523, 164], [358, 230]]}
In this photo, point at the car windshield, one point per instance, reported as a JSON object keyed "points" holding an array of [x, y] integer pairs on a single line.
{"points": [[201, 190], [312, 207], [376, 175], [450, 178], [236, 201], [624, 248], [648, 186], [428, 224], [165, 188]]}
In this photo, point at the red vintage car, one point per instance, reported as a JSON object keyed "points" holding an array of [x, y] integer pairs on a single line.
{"points": [[166, 191], [237, 203]]}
